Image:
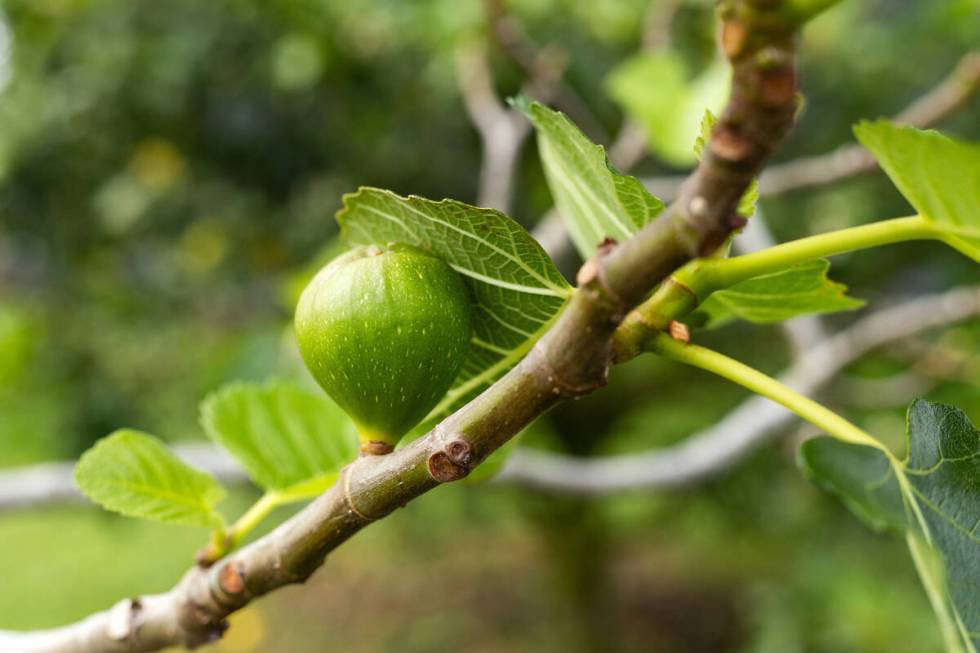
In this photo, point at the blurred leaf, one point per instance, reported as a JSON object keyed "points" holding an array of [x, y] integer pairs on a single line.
{"points": [[595, 201], [934, 492], [517, 290], [654, 90], [798, 290], [939, 176], [289, 440], [134, 474], [861, 476]]}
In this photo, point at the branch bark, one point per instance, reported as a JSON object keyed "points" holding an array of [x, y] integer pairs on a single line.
{"points": [[571, 360]]}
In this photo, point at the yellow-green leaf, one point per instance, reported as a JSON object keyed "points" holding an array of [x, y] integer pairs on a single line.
{"points": [[290, 440], [938, 175], [775, 297], [134, 474], [594, 200]]}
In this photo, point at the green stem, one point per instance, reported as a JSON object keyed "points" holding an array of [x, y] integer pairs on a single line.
{"points": [[837, 427], [764, 385], [695, 281], [254, 516], [715, 274], [224, 540], [925, 567]]}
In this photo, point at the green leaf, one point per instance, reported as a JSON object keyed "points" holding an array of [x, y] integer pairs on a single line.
{"points": [[775, 297], [134, 474], [290, 440], [938, 175], [595, 201], [746, 203], [934, 493], [708, 122], [861, 476], [517, 290], [655, 91]]}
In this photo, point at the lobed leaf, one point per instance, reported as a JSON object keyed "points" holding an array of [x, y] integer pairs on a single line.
{"points": [[938, 175], [934, 493], [290, 440], [595, 201], [775, 297], [134, 474], [517, 290]]}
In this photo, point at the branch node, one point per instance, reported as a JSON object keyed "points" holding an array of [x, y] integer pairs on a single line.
{"points": [[442, 468], [231, 579], [461, 453], [122, 619], [592, 271], [778, 85], [376, 448], [679, 331], [728, 145], [734, 36], [345, 478]]}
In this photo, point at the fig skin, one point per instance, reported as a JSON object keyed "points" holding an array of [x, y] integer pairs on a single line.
{"points": [[384, 331]]}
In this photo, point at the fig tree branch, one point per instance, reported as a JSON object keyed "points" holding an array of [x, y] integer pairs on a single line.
{"points": [[571, 360]]}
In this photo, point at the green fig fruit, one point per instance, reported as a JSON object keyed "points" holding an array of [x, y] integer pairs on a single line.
{"points": [[384, 330]]}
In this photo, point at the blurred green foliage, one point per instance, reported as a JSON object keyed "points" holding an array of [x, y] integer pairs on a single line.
{"points": [[168, 175]]}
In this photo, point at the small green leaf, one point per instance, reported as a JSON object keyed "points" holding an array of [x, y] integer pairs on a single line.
{"points": [[517, 290], [934, 492], [708, 122], [134, 474], [290, 440], [938, 175], [595, 201], [746, 203], [775, 297], [655, 91]]}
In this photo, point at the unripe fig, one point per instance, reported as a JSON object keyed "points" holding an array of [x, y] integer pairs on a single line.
{"points": [[384, 330]]}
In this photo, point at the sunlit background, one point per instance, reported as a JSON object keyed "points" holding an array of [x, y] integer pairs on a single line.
{"points": [[169, 172]]}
